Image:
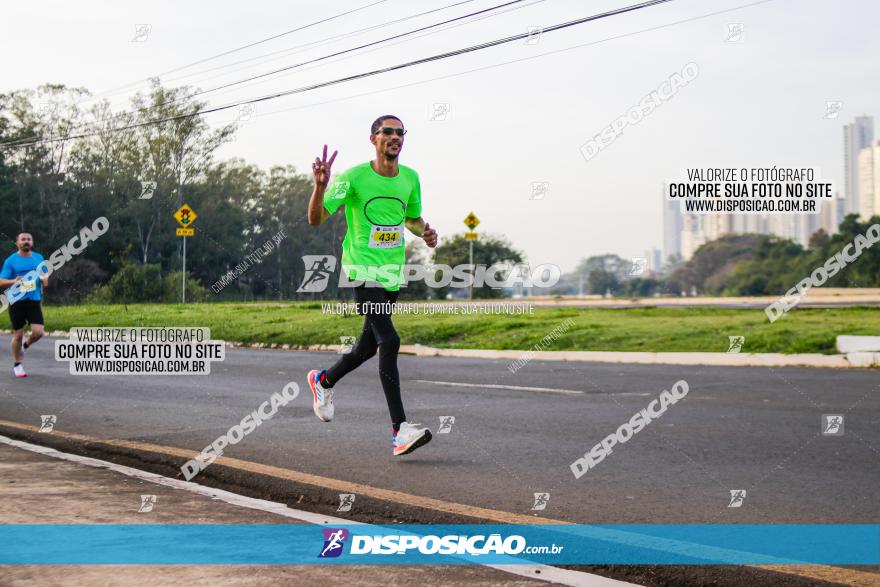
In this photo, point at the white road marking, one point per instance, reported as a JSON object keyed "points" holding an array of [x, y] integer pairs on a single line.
{"points": [[545, 573], [498, 386], [523, 388]]}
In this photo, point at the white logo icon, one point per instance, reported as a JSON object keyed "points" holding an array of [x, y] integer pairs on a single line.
{"points": [[147, 503], [832, 424], [439, 112], [737, 496], [141, 32], [147, 189], [48, 108], [735, 344], [534, 35], [541, 500], [246, 112], [540, 189], [340, 188], [446, 423], [639, 264], [346, 344], [346, 500], [48, 423], [832, 109], [735, 32]]}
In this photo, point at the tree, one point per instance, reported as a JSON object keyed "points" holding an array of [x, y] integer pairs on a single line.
{"points": [[601, 281], [489, 250], [578, 281], [715, 262]]}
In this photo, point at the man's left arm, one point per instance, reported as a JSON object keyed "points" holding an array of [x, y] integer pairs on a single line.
{"points": [[419, 227], [416, 224]]}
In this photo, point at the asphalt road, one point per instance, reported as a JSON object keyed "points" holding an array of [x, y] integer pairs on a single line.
{"points": [[756, 429]]}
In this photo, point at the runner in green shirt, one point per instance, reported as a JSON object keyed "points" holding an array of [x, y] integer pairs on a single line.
{"points": [[381, 197]]}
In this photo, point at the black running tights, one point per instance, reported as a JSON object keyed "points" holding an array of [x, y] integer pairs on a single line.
{"points": [[378, 335]]}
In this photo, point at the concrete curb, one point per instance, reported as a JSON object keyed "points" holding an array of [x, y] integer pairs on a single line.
{"points": [[840, 361]]}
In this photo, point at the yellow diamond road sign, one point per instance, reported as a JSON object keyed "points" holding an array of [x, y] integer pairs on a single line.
{"points": [[186, 216], [471, 221]]}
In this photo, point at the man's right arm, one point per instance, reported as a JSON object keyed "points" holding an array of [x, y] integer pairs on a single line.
{"points": [[6, 279], [317, 213]]}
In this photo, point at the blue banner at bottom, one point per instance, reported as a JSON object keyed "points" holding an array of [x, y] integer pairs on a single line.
{"points": [[273, 544]]}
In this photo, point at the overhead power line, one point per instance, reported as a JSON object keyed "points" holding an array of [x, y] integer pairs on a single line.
{"points": [[485, 13], [312, 87], [253, 44]]}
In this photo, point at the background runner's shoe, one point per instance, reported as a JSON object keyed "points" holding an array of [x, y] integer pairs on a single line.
{"points": [[409, 437], [19, 371], [322, 399]]}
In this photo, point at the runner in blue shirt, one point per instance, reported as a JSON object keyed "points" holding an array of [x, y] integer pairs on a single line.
{"points": [[25, 283]]}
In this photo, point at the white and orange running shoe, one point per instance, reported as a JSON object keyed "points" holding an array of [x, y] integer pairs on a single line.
{"points": [[409, 437], [322, 398]]}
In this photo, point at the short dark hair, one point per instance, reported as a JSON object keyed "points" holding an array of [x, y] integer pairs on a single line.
{"points": [[377, 124], [24, 232]]}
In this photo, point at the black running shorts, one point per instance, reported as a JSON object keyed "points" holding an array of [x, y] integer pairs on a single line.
{"points": [[25, 311]]}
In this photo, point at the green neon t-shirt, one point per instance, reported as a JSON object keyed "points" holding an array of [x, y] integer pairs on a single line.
{"points": [[376, 209]]}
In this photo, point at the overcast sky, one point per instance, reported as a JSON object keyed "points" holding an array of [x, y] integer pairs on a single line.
{"points": [[758, 101]]}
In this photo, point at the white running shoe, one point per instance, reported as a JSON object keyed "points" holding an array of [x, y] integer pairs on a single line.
{"points": [[322, 399], [409, 437], [19, 371]]}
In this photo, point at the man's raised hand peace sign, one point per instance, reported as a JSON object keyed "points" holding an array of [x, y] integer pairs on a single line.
{"points": [[321, 168]]}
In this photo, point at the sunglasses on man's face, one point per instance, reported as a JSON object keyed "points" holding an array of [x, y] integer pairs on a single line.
{"points": [[388, 131]]}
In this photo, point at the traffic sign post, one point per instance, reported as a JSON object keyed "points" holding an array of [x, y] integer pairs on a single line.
{"points": [[185, 216], [471, 221]]}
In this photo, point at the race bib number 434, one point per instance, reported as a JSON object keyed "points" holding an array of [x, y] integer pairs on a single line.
{"points": [[386, 237]]}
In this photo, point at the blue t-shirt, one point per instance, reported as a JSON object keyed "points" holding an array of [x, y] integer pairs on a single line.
{"points": [[29, 288]]}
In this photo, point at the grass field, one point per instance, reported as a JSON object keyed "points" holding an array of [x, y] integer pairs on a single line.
{"points": [[803, 330]]}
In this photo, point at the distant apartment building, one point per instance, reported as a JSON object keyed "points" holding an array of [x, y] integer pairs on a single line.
{"points": [[857, 135], [672, 227], [869, 182]]}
